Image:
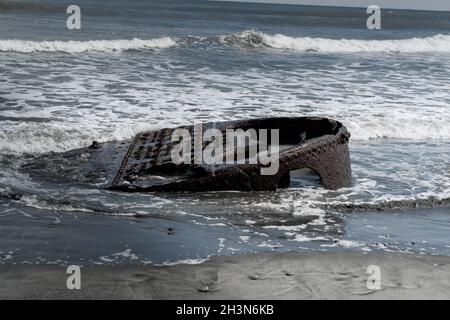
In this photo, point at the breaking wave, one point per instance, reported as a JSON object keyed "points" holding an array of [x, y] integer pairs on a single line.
{"points": [[255, 39], [26, 46], [245, 39]]}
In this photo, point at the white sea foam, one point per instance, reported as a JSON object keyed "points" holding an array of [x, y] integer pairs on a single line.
{"points": [[349, 244], [303, 238], [6, 257], [287, 228], [244, 238], [437, 43], [409, 127], [34, 201], [84, 108], [71, 46], [126, 254], [182, 261], [40, 138]]}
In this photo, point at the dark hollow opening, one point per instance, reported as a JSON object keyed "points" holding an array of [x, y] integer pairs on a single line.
{"points": [[300, 178]]}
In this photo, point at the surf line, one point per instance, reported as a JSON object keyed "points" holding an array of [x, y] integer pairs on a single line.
{"points": [[233, 146]]}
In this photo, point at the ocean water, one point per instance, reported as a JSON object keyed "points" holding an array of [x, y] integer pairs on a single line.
{"points": [[141, 65]]}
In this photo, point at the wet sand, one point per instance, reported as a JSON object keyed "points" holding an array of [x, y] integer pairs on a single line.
{"points": [[253, 276]]}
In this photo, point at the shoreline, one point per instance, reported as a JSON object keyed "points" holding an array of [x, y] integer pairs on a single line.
{"points": [[250, 276]]}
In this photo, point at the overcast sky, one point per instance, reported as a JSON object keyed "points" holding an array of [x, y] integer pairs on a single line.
{"points": [[392, 4]]}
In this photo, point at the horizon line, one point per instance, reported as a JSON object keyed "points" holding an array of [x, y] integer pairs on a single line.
{"points": [[327, 6]]}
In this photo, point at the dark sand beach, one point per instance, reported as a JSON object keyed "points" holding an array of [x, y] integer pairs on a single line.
{"points": [[253, 276]]}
